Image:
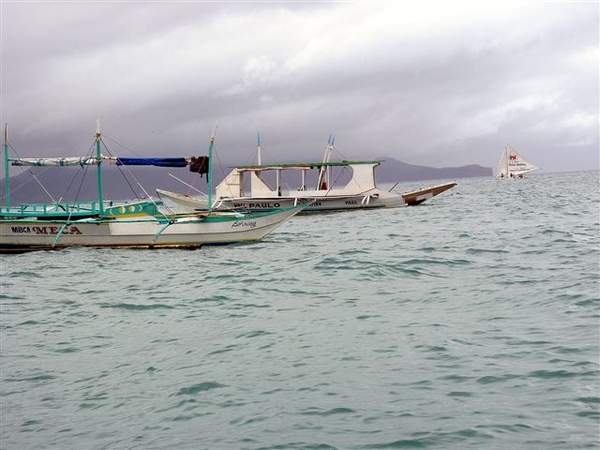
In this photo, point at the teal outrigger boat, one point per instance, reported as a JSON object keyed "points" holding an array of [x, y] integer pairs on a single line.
{"points": [[123, 224]]}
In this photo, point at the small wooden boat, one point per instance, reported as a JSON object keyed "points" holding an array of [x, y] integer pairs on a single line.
{"points": [[123, 224], [337, 186]]}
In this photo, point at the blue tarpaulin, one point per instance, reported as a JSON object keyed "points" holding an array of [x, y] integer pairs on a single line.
{"points": [[160, 162]]}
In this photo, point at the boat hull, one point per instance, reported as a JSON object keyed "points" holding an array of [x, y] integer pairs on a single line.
{"points": [[417, 197], [318, 202], [22, 235], [316, 205], [184, 201]]}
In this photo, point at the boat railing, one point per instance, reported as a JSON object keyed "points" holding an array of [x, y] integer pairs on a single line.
{"points": [[89, 208], [49, 208]]}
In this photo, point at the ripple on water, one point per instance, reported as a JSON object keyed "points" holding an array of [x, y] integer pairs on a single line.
{"points": [[454, 325]]}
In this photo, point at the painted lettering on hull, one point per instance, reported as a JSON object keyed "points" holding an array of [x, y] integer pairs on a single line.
{"points": [[44, 230], [244, 224], [257, 205], [267, 205]]}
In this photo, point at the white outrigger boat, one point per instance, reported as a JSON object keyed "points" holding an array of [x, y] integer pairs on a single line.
{"points": [[513, 165], [338, 186], [123, 224]]}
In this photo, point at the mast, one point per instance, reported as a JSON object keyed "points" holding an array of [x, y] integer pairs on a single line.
{"points": [[210, 158], [99, 168], [322, 171], [258, 155], [259, 150], [6, 171], [329, 169]]}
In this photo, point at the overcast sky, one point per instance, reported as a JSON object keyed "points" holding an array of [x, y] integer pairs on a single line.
{"points": [[443, 83]]}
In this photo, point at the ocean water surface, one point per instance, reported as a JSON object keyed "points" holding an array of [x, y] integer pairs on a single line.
{"points": [[471, 321]]}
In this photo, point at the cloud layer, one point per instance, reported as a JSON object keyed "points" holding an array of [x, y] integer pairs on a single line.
{"points": [[436, 83]]}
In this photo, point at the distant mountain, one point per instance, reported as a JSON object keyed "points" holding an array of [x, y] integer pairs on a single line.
{"points": [[69, 182], [393, 170]]}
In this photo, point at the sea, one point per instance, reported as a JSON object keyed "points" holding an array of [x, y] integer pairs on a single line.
{"points": [[471, 321]]}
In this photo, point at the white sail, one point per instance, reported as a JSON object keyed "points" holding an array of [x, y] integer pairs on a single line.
{"points": [[513, 165], [502, 170]]}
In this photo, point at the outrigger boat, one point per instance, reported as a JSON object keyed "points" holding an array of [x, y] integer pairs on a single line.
{"points": [[513, 165], [338, 186], [124, 224]]}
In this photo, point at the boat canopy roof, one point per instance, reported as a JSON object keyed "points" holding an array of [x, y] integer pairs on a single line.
{"points": [[304, 166]]}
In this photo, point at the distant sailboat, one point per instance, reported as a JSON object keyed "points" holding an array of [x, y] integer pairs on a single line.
{"points": [[513, 165]]}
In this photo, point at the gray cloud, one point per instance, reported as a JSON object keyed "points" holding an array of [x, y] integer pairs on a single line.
{"points": [[440, 83]]}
